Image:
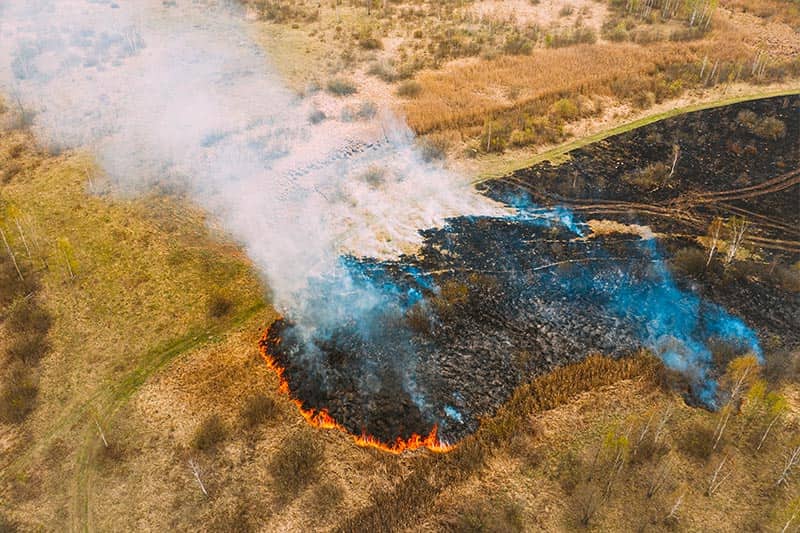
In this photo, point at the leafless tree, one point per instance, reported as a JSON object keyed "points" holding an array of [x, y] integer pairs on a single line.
{"points": [[676, 153], [102, 434], [792, 461], [662, 424], [737, 227], [673, 512], [717, 479], [794, 512], [11, 255], [659, 478], [714, 238], [196, 471]]}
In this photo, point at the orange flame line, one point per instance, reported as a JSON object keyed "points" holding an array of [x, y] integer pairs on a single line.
{"points": [[320, 418]]}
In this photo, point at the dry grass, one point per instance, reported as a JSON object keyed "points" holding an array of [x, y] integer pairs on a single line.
{"points": [[787, 12], [464, 96], [144, 272]]}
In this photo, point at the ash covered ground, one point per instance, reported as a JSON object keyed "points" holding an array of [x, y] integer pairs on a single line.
{"points": [[488, 303]]}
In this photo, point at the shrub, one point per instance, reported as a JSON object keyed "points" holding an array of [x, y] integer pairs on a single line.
{"points": [[650, 177], [316, 116], [370, 43], [697, 441], [488, 516], [209, 433], [219, 306], [296, 464], [27, 316], [517, 44], [18, 396], [28, 348], [434, 147], [259, 409], [7, 525], [11, 170], [770, 128], [417, 318], [327, 496], [341, 87], [566, 109], [690, 261], [409, 89]]}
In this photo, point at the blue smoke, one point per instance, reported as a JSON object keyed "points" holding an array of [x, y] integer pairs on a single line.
{"points": [[674, 324]]}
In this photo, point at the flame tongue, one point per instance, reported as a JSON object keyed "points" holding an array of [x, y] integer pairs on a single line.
{"points": [[320, 418]]}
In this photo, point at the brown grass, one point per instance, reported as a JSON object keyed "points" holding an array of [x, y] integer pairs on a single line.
{"points": [[464, 95], [782, 11]]}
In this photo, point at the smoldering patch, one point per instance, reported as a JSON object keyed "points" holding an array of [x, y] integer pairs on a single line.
{"points": [[487, 304]]}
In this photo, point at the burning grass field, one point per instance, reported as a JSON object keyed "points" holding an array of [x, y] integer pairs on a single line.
{"points": [[147, 404], [198, 393], [489, 302]]}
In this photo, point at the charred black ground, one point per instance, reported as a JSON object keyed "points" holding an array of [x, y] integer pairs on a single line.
{"points": [[489, 303]]}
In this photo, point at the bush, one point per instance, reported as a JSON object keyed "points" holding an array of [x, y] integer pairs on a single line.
{"points": [[409, 89], [7, 525], [770, 128], [517, 44], [259, 409], [327, 496], [28, 317], [697, 441], [18, 396], [296, 465], [341, 87], [317, 116], [488, 516], [566, 109], [11, 170], [690, 262], [219, 306], [434, 147], [28, 349], [209, 433], [370, 43]]}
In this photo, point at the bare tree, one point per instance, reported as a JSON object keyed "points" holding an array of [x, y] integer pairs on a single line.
{"points": [[737, 227], [673, 512], [794, 512], [676, 152], [791, 461], [741, 371], [717, 479], [102, 434], [11, 255], [659, 478], [714, 238], [662, 424], [196, 472]]}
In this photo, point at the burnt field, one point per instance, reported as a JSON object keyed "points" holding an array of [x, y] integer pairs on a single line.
{"points": [[488, 303]]}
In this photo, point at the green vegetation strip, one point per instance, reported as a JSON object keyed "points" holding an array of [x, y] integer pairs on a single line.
{"points": [[560, 153], [121, 391]]}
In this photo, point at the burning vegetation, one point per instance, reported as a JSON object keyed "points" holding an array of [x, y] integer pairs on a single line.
{"points": [[489, 302]]}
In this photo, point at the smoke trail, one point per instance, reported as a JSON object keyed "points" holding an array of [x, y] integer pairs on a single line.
{"points": [[184, 97]]}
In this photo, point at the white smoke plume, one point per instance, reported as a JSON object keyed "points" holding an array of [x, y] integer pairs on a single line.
{"points": [[180, 92]]}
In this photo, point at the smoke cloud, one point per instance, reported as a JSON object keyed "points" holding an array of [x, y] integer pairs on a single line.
{"points": [[183, 95]]}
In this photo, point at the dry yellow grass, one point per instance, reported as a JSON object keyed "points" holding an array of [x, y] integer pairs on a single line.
{"points": [[466, 94], [145, 271], [787, 11]]}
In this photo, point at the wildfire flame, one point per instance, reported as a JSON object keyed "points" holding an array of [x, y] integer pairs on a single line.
{"points": [[320, 418]]}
